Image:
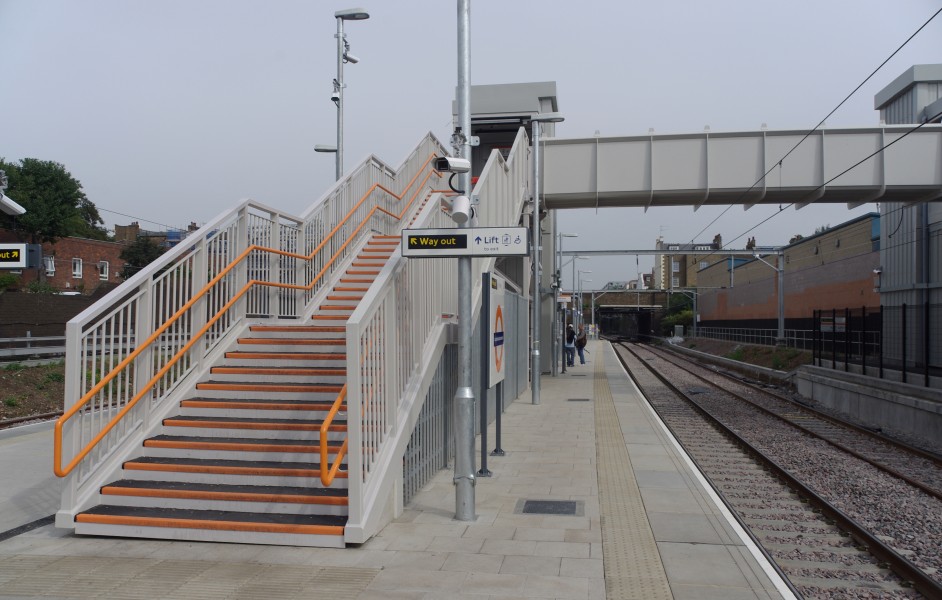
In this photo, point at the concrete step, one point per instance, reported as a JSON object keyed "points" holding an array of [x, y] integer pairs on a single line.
{"points": [[213, 526], [233, 472]]}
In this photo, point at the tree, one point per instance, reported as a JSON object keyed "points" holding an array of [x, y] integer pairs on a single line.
{"points": [[138, 255], [55, 204]]}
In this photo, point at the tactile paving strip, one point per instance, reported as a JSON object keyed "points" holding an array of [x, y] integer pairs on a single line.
{"points": [[633, 567]]}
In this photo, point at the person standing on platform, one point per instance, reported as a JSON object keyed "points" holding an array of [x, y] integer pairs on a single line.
{"points": [[580, 344], [570, 346]]}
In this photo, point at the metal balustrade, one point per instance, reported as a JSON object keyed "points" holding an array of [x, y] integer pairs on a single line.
{"points": [[396, 338], [182, 309]]}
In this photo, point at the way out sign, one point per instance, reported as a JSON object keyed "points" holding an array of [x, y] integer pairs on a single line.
{"points": [[493, 299]]}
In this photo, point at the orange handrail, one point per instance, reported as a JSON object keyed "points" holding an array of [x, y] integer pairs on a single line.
{"points": [[57, 438], [327, 476]]}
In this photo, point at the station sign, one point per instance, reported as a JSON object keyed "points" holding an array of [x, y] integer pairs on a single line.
{"points": [[13, 256], [474, 241]]}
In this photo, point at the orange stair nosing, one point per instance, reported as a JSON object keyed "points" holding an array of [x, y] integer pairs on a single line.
{"points": [[297, 328], [210, 525], [303, 371]]}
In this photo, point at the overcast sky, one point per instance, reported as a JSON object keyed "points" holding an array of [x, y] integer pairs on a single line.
{"points": [[172, 111]]}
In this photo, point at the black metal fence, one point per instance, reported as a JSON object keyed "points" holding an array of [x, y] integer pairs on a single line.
{"points": [[906, 340]]}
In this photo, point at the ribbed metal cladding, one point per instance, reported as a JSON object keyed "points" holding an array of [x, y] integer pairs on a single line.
{"points": [[632, 564]]}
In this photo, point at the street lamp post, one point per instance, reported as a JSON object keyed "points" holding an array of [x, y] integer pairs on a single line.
{"points": [[559, 327], [343, 56], [536, 241], [580, 271]]}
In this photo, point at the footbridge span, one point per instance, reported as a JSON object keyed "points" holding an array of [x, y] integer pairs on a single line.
{"points": [[853, 166]]}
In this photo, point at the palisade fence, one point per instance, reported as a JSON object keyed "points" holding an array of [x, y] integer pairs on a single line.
{"points": [[903, 340], [802, 339]]}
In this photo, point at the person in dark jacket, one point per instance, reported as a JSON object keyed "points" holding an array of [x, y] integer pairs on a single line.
{"points": [[580, 344], [570, 346]]}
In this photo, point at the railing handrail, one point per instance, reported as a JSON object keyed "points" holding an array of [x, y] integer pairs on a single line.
{"points": [[67, 415], [328, 474]]}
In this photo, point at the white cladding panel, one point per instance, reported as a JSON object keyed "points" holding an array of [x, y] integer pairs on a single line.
{"points": [[735, 160], [717, 168]]}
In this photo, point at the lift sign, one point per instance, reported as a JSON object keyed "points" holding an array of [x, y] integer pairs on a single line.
{"points": [[12, 256]]}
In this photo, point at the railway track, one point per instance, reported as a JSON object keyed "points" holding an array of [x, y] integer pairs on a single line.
{"points": [[835, 525]]}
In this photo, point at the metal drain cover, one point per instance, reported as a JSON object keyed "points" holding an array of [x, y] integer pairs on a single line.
{"points": [[579, 399], [697, 390], [577, 375], [550, 507]]}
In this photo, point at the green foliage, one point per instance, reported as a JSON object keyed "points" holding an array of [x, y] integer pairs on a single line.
{"points": [[822, 229], [679, 303], [55, 204], [41, 287], [737, 354], [7, 280], [54, 377], [12, 402], [138, 255], [14, 367], [684, 317]]}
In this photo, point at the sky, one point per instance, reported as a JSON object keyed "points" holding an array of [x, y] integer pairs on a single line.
{"points": [[173, 111]]}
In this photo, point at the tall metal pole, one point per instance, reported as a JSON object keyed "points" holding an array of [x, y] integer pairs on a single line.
{"points": [[464, 396], [554, 332], [340, 52], [535, 367], [781, 299]]}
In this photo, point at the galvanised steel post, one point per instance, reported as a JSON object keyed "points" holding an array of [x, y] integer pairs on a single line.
{"points": [[340, 50], [464, 396], [781, 299], [536, 240]]}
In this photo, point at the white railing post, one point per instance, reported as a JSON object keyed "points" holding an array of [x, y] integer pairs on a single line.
{"points": [[241, 272], [144, 363], [354, 427], [274, 264], [198, 279]]}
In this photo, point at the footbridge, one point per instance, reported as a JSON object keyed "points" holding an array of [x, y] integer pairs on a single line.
{"points": [[852, 166]]}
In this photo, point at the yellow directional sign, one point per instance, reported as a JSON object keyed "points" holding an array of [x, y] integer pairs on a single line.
{"points": [[12, 256]]}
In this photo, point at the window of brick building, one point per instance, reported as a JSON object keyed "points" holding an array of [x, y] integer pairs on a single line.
{"points": [[49, 262], [77, 268], [103, 270]]}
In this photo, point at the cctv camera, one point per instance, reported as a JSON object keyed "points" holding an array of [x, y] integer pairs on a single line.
{"points": [[350, 58], [335, 96], [460, 209], [8, 206], [452, 164]]}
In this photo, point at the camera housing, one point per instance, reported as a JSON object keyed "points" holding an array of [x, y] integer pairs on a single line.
{"points": [[8, 206], [335, 96], [461, 209], [451, 164]]}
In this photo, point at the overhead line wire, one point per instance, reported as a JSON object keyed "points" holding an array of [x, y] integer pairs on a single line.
{"points": [[815, 128]]}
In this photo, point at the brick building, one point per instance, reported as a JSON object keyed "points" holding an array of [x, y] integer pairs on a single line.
{"points": [[832, 269], [74, 264]]}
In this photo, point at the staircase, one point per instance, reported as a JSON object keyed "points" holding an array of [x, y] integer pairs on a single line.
{"points": [[240, 459]]}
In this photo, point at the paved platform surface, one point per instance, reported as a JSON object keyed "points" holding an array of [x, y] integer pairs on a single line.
{"points": [[645, 526]]}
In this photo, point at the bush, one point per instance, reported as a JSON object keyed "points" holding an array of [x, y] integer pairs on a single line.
{"points": [[7, 280], [40, 287]]}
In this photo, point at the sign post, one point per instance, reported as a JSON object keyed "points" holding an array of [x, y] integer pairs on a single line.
{"points": [[493, 357]]}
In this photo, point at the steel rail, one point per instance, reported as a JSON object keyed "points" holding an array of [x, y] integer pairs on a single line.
{"points": [[922, 453], [887, 469], [897, 563]]}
